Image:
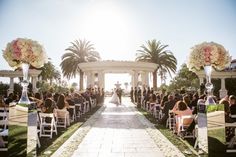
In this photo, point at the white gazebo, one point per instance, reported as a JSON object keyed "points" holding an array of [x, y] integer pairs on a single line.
{"points": [[14, 74], [222, 75], [100, 68]]}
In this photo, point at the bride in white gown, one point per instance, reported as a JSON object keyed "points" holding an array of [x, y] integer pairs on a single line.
{"points": [[114, 98]]}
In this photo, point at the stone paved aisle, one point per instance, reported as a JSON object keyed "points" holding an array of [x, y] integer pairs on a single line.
{"points": [[118, 133]]}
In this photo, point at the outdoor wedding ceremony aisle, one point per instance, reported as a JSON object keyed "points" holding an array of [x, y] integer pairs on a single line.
{"points": [[118, 131]]}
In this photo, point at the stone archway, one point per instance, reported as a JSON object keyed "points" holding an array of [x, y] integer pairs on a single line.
{"points": [[14, 74], [100, 68]]}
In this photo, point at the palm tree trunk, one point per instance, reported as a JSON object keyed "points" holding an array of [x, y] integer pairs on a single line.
{"points": [[154, 80], [81, 80]]}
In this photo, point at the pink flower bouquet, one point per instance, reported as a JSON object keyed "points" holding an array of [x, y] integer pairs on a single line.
{"points": [[208, 53], [24, 50]]}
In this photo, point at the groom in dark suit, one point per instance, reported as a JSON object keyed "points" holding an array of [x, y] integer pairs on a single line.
{"points": [[119, 93]]}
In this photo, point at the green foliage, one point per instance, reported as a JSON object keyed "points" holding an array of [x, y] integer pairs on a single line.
{"points": [[54, 88], [3, 88], [184, 79], [217, 107], [74, 85], [155, 52], [230, 84], [49, 72], [80, 51]]}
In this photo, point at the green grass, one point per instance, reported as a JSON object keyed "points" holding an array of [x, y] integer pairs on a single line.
{"points": [[182, 145], [17, 140], [51, 145]]}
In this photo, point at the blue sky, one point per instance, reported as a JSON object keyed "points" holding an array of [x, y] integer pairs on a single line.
{"points": [[118, 27]]}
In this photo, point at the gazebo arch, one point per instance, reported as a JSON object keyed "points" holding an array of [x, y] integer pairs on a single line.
{"points": [[222, 75], [131, 67], [13, 74]]}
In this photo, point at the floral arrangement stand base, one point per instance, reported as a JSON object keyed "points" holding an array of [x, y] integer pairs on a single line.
{"points": [[211, 129], [23, 123]]}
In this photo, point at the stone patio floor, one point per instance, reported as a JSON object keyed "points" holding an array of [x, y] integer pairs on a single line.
{"points": [[118, 131]]}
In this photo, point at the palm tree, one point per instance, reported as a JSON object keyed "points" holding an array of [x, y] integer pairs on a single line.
{"points": [[49, 72], [155, 52], [79, 52]]}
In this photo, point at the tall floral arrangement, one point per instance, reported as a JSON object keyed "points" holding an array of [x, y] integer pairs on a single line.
{"points": [[208, 53], [22, 50]]}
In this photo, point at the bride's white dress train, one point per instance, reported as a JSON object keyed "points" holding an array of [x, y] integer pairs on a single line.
{"points": [[115, 99]]}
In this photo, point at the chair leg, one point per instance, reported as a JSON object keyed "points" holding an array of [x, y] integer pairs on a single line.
{"points": [[196, 143]]}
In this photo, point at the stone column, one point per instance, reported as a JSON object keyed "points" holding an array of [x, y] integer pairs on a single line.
{"points": [[101, 79], [147, 79], [88, 74], [143, 79], [92, 78], [132, 79], [223, 91], [11, 88], [135, 78]]}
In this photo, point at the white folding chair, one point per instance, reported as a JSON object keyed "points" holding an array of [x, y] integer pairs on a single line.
{"points": [[171, 120], [183, 123], [78, 110], [62, 117], [86, 106], [51, 125], [38, 142], [4, 129], [93, 102], [151, 108], [3, 120], [73, 117], [157, 110]]}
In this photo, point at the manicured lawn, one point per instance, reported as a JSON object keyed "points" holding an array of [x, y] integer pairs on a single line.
{"points": [[18, 140]]}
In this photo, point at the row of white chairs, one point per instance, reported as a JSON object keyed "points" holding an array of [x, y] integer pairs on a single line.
{"points": [[4, 116], [155, 110], [49, 122]]}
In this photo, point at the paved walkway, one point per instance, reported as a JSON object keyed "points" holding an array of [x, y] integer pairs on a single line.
{"points": [[117, 131]]}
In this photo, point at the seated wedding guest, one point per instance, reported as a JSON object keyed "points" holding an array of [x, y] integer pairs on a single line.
{"points": [[48, 107], [15, 98], [152, 98], [37, 99], [193, 103], [168, 105], [194, 112], [229, 131], [182, 109], [2, 104], [9, 99], [152, 101], [71, 103], [232, 102], [55, 97], [62, 103], [79, 99], [164, 99], [186, 100]]}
